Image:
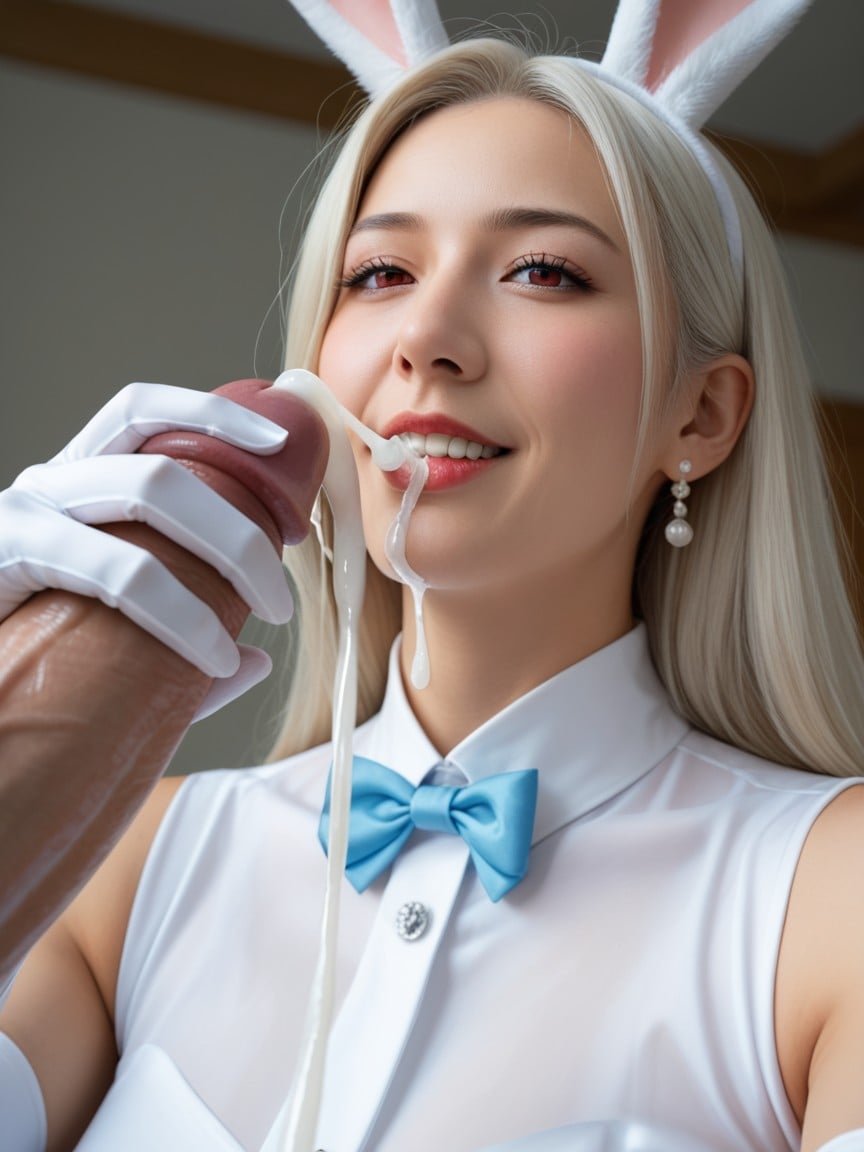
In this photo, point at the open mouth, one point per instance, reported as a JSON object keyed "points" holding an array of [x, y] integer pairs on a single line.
{"points": [[439, 446]]}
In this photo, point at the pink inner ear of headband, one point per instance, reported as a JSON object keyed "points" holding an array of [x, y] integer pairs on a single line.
{"points": [[374, 20], [682, 25]]}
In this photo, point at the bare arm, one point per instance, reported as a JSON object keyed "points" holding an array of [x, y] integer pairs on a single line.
{"points": [[61, 1010], [91, 710], [820, 982]]}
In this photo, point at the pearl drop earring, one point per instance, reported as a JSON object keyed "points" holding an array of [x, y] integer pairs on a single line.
{"points": [[678, 532]]}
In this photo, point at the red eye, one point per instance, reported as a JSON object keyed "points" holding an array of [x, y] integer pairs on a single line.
{"points": [[538, 271], [387, 278], [374, 275], [545, 277]]}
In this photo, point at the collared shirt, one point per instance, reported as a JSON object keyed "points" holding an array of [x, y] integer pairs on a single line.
{"points": [[630, 974]]}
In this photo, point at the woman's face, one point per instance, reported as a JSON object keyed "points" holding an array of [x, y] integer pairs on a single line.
{"points": [[488, 297]]}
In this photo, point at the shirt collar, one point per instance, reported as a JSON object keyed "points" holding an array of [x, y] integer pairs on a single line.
{"points": [[591, 731]]}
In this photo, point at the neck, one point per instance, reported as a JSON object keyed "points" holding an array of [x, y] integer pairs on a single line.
{"points": [[487, 651]]}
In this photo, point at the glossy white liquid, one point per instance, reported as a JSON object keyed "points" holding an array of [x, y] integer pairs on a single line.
{"points": [[295, 1126], [394, 549]]}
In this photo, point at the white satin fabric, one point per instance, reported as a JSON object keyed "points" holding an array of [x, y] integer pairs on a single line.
{"points": [[629, 976], [848, 1142], [155, 1109], [23, 1126]]}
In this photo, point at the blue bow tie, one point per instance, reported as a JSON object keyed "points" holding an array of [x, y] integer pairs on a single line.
{"points": [[495, 818]]}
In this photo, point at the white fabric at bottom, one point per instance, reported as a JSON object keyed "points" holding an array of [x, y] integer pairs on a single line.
{"points": [[615, 1136], [23, 1126], [151, 1108], [848, 1142]]}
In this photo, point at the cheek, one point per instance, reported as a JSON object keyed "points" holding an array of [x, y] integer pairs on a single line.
{"points": [[350, 362], [351, 365], [587, 384]]}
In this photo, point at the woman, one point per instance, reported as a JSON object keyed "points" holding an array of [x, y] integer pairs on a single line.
{"points": [[527, 261]]}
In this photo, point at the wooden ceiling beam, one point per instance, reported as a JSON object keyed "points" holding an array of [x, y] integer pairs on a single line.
{"points": [[841, 168], [819, 195], [843, 437], [174, 61]]}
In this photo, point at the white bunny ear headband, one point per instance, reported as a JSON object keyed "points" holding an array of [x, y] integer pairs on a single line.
{"points": [[680, 58]]}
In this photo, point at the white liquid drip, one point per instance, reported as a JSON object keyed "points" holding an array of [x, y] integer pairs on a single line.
{"points": [[394, 549], [387, 454], [295, 1126]]}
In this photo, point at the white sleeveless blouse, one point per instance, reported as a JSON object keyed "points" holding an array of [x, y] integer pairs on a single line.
{"points": [[629, 977]]}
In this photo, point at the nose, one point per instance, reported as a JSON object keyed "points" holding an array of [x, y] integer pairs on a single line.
{"points": [[441, 334]]}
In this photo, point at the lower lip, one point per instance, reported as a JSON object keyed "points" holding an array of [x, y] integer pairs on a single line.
{"points": [[443, 473]]}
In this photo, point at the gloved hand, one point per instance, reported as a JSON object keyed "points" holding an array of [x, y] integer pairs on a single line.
{"points": [[47, 538], [92, 707]]}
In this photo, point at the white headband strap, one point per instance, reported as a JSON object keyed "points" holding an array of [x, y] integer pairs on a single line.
{"points": [[679, 58], [719, 183]]}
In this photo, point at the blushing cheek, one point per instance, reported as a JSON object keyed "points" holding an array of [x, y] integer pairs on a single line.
{"points": [[601, 396], [622, 351], [351, 368], [350, 363], [335, 369]]}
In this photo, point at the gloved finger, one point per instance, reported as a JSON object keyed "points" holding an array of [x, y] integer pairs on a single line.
{"points": [[141, 410], [51, 550], [162, 493], [255, 666]]}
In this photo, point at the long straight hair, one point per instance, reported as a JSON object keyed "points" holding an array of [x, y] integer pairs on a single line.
{"points": [[750, 627]]}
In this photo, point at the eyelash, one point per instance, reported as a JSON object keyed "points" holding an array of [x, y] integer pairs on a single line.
{"points": [[579, 280], [363, 271]]}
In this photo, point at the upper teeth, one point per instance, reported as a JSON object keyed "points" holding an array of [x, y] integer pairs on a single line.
{"points": [[440, 445]]}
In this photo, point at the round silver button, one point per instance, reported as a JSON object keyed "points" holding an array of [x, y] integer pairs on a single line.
{"points": [[412, 920]]}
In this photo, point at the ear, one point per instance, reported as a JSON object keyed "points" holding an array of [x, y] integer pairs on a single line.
{"points": [[693, 53], [719, 404], [378, 39]]}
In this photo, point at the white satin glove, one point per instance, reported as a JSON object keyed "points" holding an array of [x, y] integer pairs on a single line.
{"points": [[46, 538]]}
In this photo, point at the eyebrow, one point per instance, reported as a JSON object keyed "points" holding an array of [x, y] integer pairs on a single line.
{"points": [[499, 220]]}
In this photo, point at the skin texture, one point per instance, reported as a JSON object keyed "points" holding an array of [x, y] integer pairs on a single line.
{"points": [[94, 707], [819, 1005], [529, 560], [275, 491], [490, 326], [92, 711]]}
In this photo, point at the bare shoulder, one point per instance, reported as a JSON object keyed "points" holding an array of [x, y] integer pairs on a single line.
{"points": [[60, 1011], [99, 915], [820, 976]]}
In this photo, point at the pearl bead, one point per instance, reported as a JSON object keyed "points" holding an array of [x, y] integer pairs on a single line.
{"points": [[679, 533]]}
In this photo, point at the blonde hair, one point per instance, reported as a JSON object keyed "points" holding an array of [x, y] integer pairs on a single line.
{"points": [[750, 627]]}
